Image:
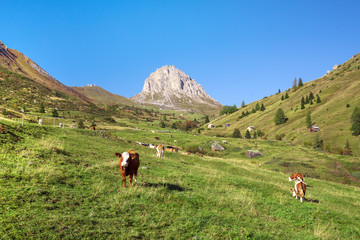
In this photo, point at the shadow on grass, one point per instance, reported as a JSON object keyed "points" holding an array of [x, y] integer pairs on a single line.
{"points": [[311, 200], [169, 186]]}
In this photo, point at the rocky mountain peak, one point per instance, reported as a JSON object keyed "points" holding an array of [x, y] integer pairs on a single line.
{"points": [[170, 87]]}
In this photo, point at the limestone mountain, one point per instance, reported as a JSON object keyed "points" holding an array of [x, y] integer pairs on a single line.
{"points": [[169, 87], [17, 62]]}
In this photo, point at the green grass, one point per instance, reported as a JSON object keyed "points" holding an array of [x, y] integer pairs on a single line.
{"points": [[64, 183]]}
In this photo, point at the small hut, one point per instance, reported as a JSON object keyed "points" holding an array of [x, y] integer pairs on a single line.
{"points": [[314, 128]]}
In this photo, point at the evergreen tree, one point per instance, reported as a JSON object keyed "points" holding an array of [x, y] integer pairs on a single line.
{"points": [[247, 113], [80, 124], [55, 113], [42, 108], [207, 120], [294, 83], [286, 95], [253, 110], [247, 135], [257, 107], [282, 97], [279, 117], [355, 119], [236, 133], [243, 103], [307, 99], [262, 108], [254, 135], [302, 103], [311, 96], [279, 91], [300, 83], [308, 119], [243, 114], [318, 100], [162, 124], [311, 102]]}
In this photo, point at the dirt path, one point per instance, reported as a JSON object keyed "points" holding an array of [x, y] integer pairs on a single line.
{"points": [[347, 173]]}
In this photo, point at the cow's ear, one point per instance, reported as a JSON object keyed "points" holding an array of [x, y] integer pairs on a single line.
{"points": [[118, 154]]}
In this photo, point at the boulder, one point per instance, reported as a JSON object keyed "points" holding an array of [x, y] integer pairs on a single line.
{"points": [[217, 147], [253, 153]]}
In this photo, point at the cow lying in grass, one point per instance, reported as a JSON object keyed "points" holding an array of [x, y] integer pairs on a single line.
{"points": [[128, 165], [160, 151], [299, 190]]}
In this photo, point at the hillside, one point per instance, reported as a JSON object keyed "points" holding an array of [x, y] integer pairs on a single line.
{"points": [[339, 94], [170, 88], [19, 92], [17, 62], [99, 95], [53, 185]]}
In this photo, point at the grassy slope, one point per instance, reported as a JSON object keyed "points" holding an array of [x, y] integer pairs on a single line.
{"points": [[101, 96], [336, 90], [64, 183]]}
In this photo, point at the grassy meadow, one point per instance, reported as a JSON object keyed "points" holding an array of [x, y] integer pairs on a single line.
{"points": [[65, 184]]}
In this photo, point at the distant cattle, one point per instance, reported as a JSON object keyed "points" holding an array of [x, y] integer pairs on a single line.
{"points": [[171, 149], [92, 128], [157, 138], [160, 151], [175, 141], [299, 190], [296, 176], [128, 165]]}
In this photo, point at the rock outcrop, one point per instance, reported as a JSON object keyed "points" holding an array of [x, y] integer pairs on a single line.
{"points": [[170, 87]]}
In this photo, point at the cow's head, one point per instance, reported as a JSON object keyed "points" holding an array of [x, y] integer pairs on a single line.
{"points": [[125, 161]]}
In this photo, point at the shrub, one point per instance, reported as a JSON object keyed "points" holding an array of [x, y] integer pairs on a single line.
{"points": [[279, 137], [80, 124]]}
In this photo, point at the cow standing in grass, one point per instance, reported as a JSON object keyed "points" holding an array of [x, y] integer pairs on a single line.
{"points": [[129, 163], [299, 190], [160, 151]]}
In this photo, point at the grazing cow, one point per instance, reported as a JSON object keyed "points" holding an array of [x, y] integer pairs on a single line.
{"points": [[296, 176], [157, 138], [128, 165], [171, 149], [160, 151], [92, 128], [299, 190], [175, 141]]}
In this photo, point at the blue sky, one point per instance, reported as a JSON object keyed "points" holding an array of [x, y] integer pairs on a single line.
{"points": [[237, 50]]}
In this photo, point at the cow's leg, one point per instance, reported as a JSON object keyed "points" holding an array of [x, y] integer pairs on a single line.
{"points": [[301, 199], [124, 181], [135, 174], [294, 194], [130, 180]]}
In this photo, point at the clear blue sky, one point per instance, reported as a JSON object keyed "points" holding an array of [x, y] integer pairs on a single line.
{"points": [[237, 50]]}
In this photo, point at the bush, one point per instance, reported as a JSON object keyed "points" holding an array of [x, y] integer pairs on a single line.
{"points": [[279, 137], [193, 149], [80, 124]]}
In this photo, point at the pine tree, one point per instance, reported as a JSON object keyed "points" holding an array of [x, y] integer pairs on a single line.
{"points": [[207, 119], [257, 107], [294, 83], [254, 135], [282, 97], [243, 104], [42, 108], [307, 99], [247, 113], [355, 119], [162, 124], [300, 83], [279, 91], [243, 114], [308, 119], [318, 100], [302, 103], [286, 95], [253, 110], [279, 117], [247, 135], [55, 113], [236, 133], [262, 108], [311, 96]]}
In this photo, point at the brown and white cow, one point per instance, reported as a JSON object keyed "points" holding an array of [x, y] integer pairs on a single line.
{"points": [[299, 190], [128, 165], [160, 151], [296, 176]]}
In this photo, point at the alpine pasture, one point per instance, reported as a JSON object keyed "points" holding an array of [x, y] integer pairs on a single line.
{"points": [[63, 183]]}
